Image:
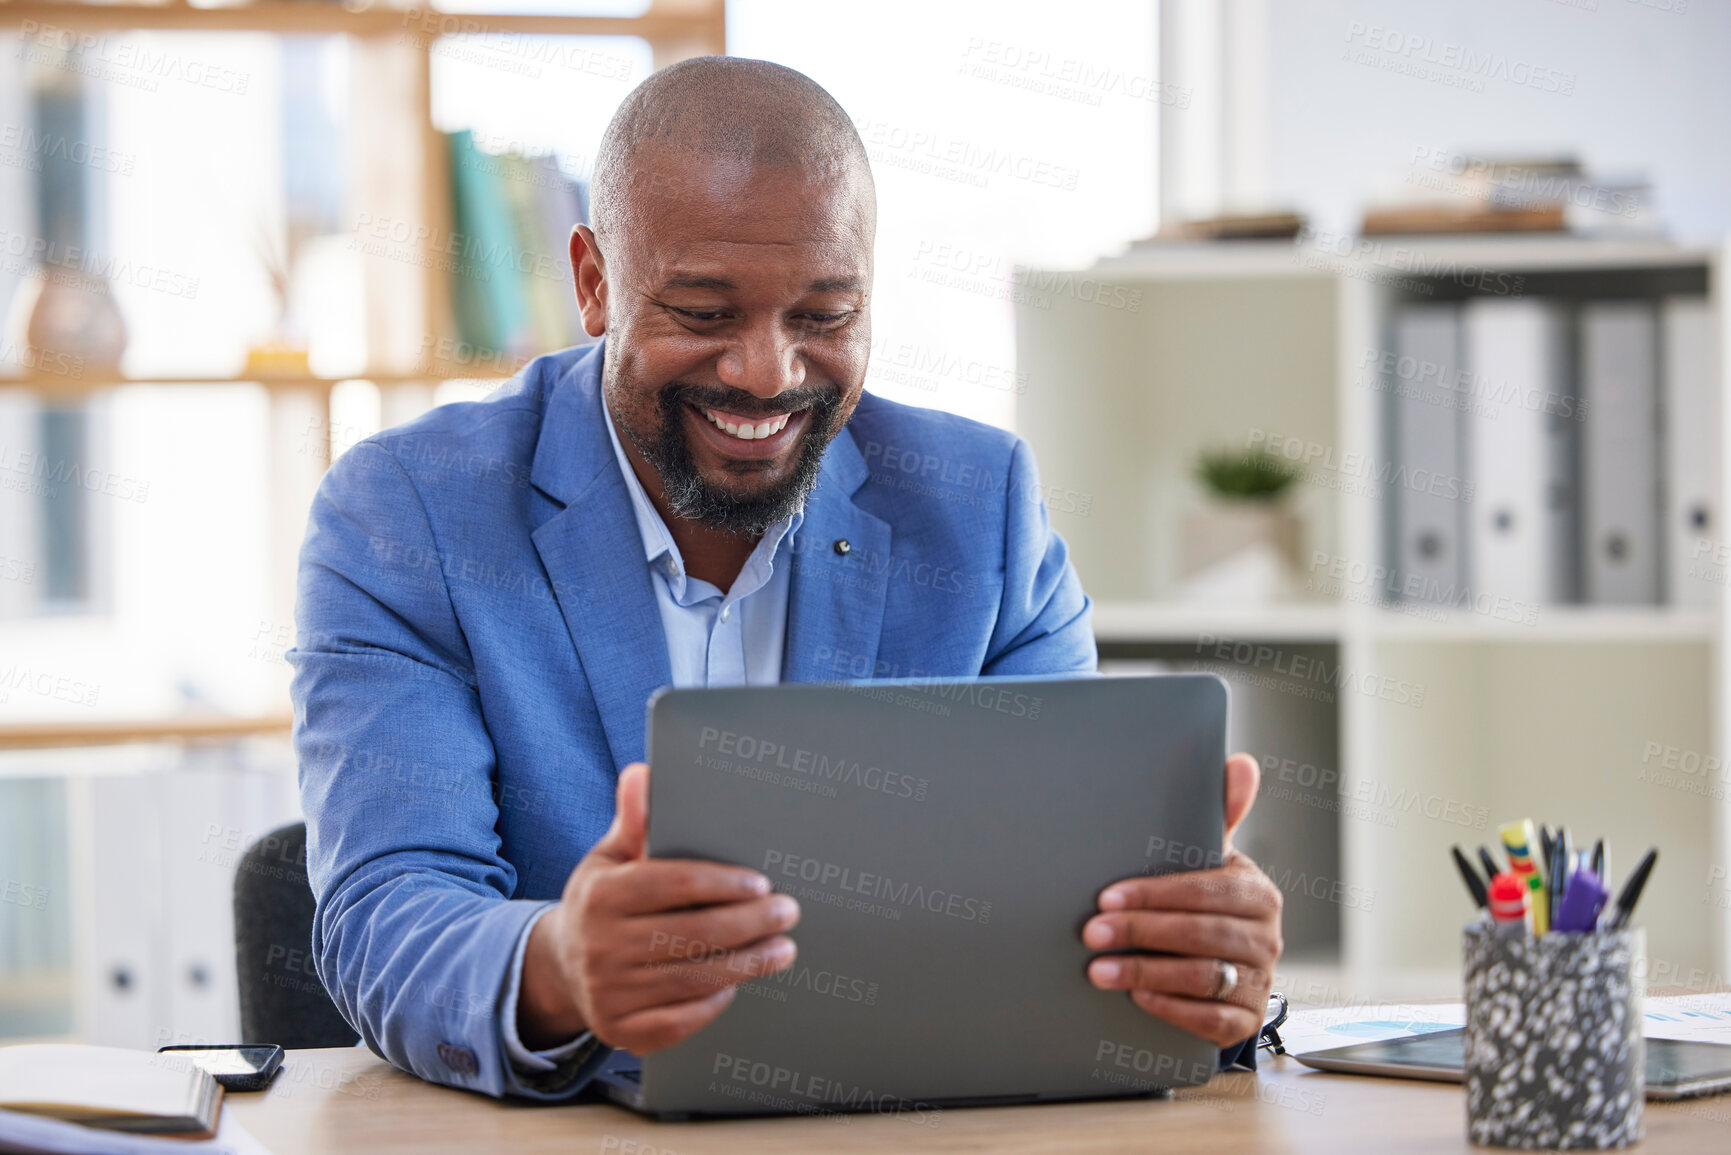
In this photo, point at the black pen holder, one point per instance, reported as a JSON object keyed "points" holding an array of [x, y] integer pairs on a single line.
{"points": [[1555, 1058]]}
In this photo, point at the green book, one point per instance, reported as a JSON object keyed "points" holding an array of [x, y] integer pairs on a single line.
{"points": [[487, 294], [546, 271]]}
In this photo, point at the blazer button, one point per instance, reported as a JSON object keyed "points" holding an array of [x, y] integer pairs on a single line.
{"points": [[460, 1059], [843, 546]]}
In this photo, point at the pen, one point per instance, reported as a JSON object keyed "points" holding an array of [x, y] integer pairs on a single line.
{"points": [[1509, 907], [1489, 862], [1475, 884], [1581, 903], [1518, 839], [1547, 845], [1561, 868], [1600, 866], [1631, 892]]}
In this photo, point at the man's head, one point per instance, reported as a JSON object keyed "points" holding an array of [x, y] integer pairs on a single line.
{"points": [[730, 266]]}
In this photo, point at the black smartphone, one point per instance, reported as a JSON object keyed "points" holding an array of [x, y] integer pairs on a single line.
{"points": [[239, 1067]]}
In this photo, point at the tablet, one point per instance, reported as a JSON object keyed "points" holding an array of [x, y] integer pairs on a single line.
{"points": [[946, 842], [1676, 1068]]}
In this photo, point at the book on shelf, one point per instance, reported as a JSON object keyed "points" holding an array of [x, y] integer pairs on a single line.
{"points": [[1429, 530], [1226, 227], [1620, 451], [511, 286], [1692, 406], [1524, 507], [1395, 220], [1458, 193]]}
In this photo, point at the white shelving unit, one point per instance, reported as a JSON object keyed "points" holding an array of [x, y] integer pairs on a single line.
{"points": [[1438, 720]]}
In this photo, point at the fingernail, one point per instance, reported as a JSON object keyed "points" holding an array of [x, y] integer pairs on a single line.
{"points": [[784, 909], [1098, 934], [759, 884], [1114, 900], [1105, 971]]}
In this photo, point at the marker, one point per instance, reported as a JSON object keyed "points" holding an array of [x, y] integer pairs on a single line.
{"points": [[1518, 840], [1579, 910], [1631, 892], [1600, 866], [1475, 884], [1489, 862], [1509, 904]]}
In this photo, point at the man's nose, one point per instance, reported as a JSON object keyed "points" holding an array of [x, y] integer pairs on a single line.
{"points": [[764, 361]]}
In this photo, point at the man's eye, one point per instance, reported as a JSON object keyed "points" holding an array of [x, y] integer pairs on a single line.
{"points": [[700, 314], [824, 319]]}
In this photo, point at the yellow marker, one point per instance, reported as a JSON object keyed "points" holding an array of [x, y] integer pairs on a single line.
{"points": [[1518, 841]]}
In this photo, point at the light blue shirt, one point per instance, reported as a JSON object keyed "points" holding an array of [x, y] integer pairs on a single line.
{"points": [[713, 639]]}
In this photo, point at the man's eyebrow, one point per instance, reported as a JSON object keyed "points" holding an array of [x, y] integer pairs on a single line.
{"points": [[696, 281]]}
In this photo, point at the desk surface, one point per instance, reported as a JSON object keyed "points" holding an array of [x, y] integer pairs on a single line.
{"points": [[345, 1100]]}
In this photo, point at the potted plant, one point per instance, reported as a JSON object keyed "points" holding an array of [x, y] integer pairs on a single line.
{"points": [[1241, 544]]}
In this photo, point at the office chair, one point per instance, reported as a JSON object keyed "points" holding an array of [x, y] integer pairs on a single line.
{"points": [[281, 998]]}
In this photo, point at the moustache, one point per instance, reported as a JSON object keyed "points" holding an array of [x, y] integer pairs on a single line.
{"points": [[743, 404]]}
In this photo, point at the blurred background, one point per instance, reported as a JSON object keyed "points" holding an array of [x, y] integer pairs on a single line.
{"points": [[1370, 350]]}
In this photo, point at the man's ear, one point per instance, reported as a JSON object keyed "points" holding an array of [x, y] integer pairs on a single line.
{"points": [[1243, 780], [589, 272]]}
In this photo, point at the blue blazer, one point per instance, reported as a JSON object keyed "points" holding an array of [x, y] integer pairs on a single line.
{"points": [[478, 638]]}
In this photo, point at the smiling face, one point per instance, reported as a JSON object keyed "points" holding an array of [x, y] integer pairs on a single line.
{"points": [[735, 299]]}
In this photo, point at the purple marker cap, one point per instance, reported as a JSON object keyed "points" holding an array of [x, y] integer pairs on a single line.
{"points": [[1582, 902]]}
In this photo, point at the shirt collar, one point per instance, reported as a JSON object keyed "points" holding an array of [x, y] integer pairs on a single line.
{"points": [[657, 541]]}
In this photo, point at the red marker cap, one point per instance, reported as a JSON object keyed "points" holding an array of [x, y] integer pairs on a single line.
{"points": [[1508, 898]]}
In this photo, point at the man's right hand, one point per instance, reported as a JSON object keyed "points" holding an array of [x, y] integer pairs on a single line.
{"points": [[647, 951]]}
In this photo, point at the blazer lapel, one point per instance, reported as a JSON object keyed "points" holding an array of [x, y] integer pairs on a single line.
{"points": [[594, 558], [835, 608]]}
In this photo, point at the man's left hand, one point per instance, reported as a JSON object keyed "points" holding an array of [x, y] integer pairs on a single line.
{"points": [[1217, 931]]}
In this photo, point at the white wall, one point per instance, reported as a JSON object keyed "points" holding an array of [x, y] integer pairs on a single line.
{"points": [[1651, 91], [1001, 133]]}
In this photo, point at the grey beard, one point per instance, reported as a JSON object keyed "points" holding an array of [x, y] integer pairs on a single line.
{"points": [[692, 498]]}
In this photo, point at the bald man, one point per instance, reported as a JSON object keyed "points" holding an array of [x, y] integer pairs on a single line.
{"points": [[707, 497]]}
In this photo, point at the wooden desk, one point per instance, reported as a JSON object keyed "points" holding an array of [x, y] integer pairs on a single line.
{"points": [[334, 1101]]}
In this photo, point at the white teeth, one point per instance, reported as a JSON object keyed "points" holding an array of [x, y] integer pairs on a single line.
{"points": [[747, 431]]}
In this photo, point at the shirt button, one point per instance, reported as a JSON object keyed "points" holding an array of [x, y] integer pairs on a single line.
{"points": [[726, 612]]}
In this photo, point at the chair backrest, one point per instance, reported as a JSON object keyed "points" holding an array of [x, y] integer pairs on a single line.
{"points": [[282, 1000]]}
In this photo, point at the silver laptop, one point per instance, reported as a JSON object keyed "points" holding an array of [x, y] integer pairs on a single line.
{"points": [[946, 840]]}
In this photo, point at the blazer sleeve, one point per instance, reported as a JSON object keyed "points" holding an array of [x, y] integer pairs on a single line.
{"points": [[1044, 620], [414, 928]]}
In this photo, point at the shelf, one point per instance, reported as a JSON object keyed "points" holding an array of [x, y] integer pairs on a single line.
{"points": [[664, 22], [1200, 260], [1553, 624], [52, 385], [1408, 256], [1154, 622], [47, 735]]}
